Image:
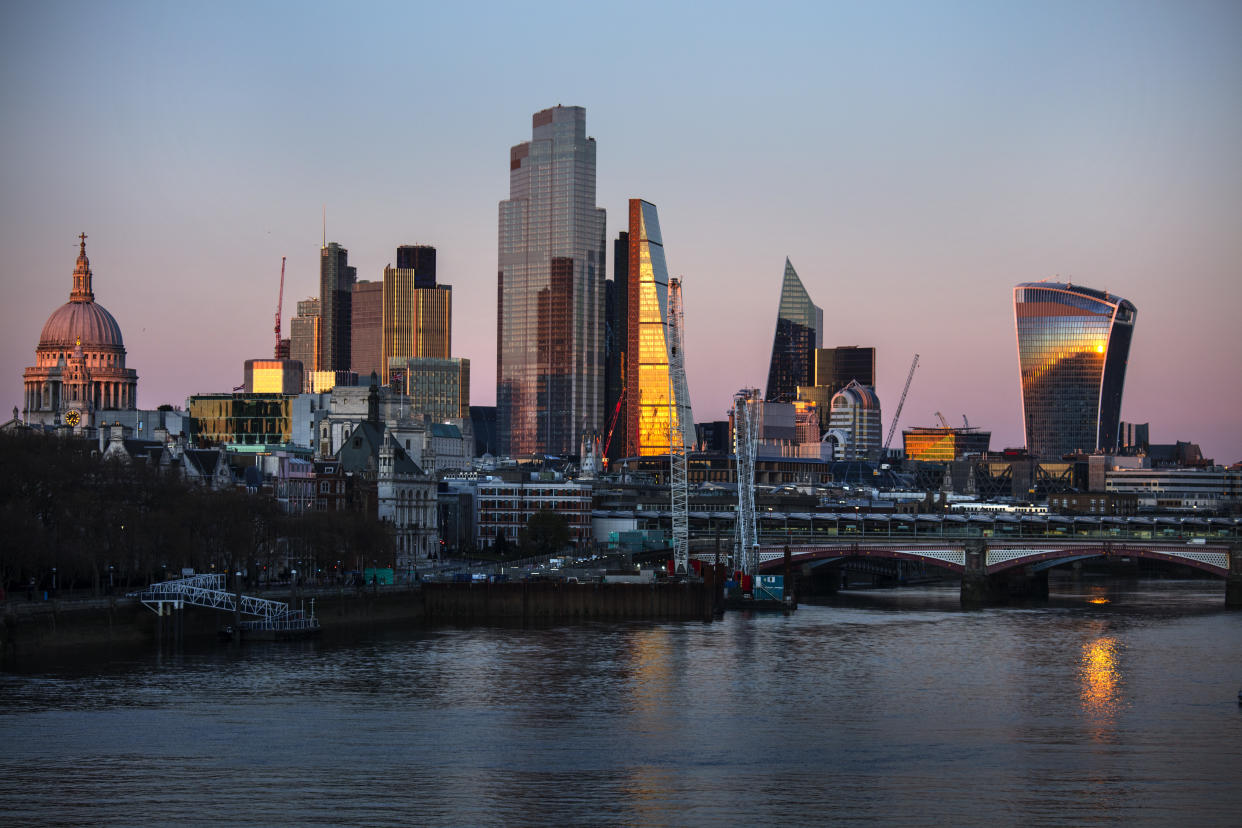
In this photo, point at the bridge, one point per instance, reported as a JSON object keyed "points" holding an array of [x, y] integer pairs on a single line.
{"points": [[276, 617], [996, 570]]}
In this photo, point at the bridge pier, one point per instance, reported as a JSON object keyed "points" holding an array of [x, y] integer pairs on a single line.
{"points": [[980, 589], [1233, 581]]}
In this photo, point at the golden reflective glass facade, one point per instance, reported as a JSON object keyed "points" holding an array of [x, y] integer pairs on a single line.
{"points": [[647, 356], [944, 444], [418, 321], [244, 419], [1073, 346], [273, 376]]}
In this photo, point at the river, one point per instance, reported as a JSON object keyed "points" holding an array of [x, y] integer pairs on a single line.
{"points": [[1113, 704]]}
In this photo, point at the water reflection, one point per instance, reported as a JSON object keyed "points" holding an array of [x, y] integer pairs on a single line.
{"points": [[1100, 679]]}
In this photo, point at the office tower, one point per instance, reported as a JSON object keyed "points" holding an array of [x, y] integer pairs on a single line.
{"points": [[647, 352], [366, 323], [855, 424], [1073, 344], [944, 443], [550, 290], [417, 313], [304, 338], [273, 376], [439, 388], [336, 285], [835, 368], [420, 258], [799, 330], [616, 315]]}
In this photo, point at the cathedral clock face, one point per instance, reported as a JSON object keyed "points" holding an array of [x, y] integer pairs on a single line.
{"points": [[73, 417]]}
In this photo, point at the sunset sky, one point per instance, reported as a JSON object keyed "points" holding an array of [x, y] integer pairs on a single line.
{"points": [[913, 160]]}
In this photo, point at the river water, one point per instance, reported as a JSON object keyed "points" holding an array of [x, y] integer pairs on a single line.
{"points": [[1114, 704]]}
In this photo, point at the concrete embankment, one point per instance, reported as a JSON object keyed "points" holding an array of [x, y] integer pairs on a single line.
{"points": [[553, 601], [43, 626]]}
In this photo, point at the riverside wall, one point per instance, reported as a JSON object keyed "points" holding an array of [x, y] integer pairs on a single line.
{"points": [[31, 627]]}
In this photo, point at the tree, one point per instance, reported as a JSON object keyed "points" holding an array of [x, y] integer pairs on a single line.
{"points": [[546, 533]]}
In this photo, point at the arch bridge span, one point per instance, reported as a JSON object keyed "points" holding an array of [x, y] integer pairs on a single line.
{"points": [[1001, 556]]}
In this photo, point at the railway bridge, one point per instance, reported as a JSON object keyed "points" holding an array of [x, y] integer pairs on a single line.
{"points": [[996, 571]]}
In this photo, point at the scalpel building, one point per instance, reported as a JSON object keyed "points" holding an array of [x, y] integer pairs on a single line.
{"points": [[1073, 344]]}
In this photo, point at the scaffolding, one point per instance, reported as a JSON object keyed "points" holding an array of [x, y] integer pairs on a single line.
{"points": [[746, 555], [679, 417]]}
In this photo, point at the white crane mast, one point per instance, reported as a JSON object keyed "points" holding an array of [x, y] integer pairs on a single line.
{"points": [[744, 402], [679, 418]]}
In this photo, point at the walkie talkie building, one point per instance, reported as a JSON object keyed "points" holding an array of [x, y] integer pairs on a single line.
{"points": [[1073, 344]]}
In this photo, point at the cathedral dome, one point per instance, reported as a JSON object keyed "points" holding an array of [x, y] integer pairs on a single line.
{"points": [[81, 319], [85, 321]]}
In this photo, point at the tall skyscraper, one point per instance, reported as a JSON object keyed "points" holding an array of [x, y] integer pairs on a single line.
{"points": [[304, 336], [336, 286], [835, 368], [420, 258], [366, 325], [550, 290], [647, 352], [418, 313], [799, 331], [1073, 345], [616, 336]]}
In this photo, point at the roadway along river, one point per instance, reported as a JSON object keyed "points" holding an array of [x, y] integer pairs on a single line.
{"points": [[890, 707]]}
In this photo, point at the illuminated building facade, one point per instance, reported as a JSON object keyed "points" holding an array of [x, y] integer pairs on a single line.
{"points": [[304, 337], [273, 376], [1073, 345], [944, 444], [647, 353], [417, 314], [240, 419], [366, 323], [854, 427], [79, 362], [336, 293], [550, 290], [799, 331]]}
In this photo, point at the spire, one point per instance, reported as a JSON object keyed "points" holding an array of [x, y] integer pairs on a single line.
{"points": [[82, 276]]}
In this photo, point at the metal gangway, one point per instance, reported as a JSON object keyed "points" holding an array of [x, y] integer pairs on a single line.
{"points": [[208, 591]]}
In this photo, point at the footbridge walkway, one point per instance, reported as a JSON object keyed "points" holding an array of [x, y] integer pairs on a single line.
{"points": [[165, 597]]}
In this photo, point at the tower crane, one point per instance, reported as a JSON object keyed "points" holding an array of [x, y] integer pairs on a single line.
{"points": [[678, 417], [612, 426], [943, 421], [280, 301], [893, 428], [747, 553]]}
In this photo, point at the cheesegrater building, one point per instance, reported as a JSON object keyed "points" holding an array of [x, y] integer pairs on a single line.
{"points": [[1073, 345], [550, 291]]}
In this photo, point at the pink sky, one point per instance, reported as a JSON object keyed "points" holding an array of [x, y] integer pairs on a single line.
{"points": [[914, 162]]}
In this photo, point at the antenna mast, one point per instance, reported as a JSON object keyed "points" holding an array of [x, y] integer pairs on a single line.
{"points": [[280, 301]]}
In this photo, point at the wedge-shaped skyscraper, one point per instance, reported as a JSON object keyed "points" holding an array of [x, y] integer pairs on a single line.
{"points": [[647, 353], [1073, 345], [799, 331]]}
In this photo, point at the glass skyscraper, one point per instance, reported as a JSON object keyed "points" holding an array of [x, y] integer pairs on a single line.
{"points": [[417, 313], [1073, 344], [336, 293], [799, 331], [550, 285], [647, 353]]}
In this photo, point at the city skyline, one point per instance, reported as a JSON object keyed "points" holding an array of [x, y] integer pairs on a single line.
{"points": [[926, 162]]}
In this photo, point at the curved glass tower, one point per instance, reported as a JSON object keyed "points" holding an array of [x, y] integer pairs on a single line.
{"points": [[1073, 344]]}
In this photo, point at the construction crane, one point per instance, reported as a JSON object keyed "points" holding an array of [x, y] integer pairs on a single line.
{"points": [[746, 556], [943, 421], [679, 416], [893, 428], [965, 421], [612, 426], [280, 301]]}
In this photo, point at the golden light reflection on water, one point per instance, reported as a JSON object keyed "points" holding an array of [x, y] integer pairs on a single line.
{"points": [[1101, 679], [1098, 601]]}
